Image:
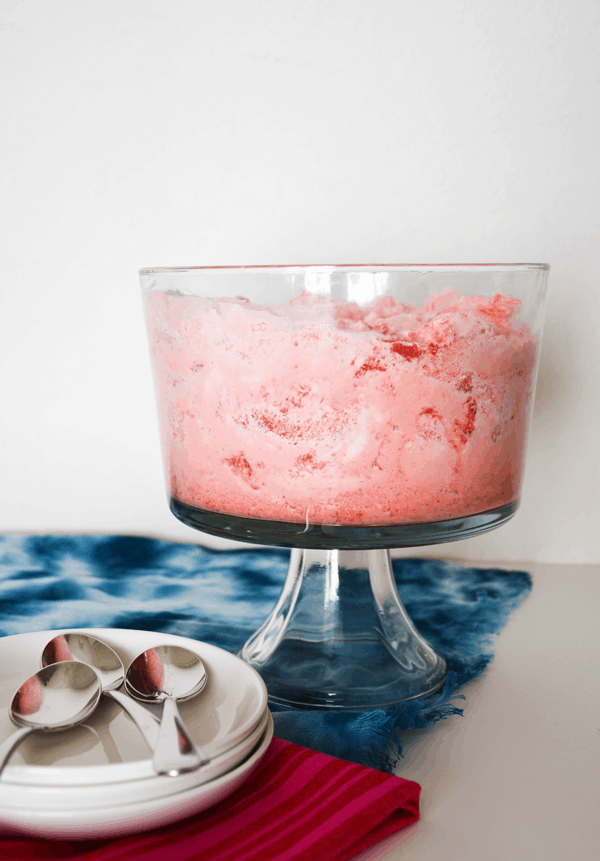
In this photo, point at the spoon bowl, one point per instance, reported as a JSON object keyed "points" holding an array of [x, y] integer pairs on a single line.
{"points": [[110, 670], [166, 671], [88, 650], [56, 698], [167, 674]]}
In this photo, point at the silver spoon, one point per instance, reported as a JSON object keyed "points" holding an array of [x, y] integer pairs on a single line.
{"points": [[110, 670], [164, 675], [55, 698]]}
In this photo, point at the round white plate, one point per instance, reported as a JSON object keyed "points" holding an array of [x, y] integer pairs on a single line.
{"points": [[108, 822], [109, 748], [61, 797]]}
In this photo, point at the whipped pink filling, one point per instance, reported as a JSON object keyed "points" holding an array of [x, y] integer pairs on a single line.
{"points": [[320, 411]]}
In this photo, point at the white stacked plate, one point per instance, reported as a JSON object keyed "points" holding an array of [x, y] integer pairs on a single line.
{"points": [[97, 780]]}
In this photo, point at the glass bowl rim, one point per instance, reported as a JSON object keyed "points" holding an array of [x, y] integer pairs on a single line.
{"points": [[344, 267]]}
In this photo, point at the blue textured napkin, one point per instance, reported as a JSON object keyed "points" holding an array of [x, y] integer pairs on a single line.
{"points": [[78, 581]]}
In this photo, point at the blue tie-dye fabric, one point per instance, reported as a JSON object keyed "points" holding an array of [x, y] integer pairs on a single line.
{"points": [[76, 581]]}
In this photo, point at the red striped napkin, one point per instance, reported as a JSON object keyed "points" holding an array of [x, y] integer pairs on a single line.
{"points": [[298, 804]]}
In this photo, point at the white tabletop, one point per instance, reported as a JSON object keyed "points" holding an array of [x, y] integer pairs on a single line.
{"points": [[518, 777]]}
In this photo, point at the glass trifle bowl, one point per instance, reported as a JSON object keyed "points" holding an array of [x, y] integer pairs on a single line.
{"points": [[342, 411]]}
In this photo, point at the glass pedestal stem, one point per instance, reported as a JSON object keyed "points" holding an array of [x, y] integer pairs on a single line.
{"points": [[339, 636]]}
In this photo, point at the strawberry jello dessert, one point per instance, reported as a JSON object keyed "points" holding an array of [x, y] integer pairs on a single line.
{"points": [[324, 411]]}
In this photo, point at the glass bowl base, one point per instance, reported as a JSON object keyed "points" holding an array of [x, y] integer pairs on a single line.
{"points": [[334, 537]]}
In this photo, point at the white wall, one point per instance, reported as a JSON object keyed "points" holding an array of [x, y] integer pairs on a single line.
{"points": [[142, 132]]}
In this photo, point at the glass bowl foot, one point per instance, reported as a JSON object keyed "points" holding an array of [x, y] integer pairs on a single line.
{"points": [[340, 638]]}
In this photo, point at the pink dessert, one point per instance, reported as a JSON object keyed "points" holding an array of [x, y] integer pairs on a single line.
{"points": [[320, 411]]}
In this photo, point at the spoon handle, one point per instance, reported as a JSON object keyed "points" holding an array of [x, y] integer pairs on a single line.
{"points": [[145, 722], [169, 758], [10, 743]]}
